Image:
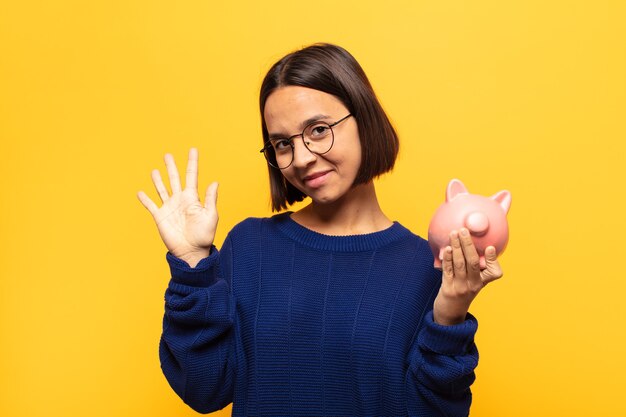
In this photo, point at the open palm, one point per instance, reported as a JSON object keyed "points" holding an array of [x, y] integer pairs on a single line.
{"points": [[187, 227]]}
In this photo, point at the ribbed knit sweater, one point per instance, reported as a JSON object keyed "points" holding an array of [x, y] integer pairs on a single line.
{"points": [[285, 321]]}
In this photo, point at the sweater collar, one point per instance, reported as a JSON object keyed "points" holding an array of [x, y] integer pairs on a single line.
{"points": [[348, 243]]}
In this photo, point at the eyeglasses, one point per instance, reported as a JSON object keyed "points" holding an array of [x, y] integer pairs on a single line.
{"points": [[318, 138]]}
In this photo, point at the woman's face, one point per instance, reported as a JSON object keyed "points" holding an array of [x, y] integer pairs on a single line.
{"points": [[328, 177]]}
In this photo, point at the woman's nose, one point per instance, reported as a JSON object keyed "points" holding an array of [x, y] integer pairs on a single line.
{"points": [[302, 156]]}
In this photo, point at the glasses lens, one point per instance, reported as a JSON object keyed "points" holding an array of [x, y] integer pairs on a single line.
{"points": [[279, 153], [318, 137]]}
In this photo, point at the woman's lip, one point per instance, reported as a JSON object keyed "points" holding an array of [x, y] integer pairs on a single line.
{"points": [[315, 175], [316, 180]]}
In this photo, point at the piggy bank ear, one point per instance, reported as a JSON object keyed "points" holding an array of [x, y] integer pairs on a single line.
{"points": [[504, 199], [455, 187]]}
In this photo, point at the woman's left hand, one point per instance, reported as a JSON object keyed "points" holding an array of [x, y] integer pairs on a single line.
{"points": [[462, 278]]}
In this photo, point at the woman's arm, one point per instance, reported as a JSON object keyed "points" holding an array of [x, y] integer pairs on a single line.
{"points": [[197, 345], [441, 369], [196, 348], [444, 356]]}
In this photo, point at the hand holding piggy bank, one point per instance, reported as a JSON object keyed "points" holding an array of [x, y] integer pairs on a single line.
{"points": [[484, 217]]}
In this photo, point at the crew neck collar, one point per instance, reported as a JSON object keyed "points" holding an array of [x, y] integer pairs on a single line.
{"points": [[343, 243]]}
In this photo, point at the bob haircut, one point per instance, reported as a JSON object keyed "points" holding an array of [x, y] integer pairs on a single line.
{"points": [[332, 70]]}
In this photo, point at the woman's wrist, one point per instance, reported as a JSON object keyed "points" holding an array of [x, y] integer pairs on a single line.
{"points": [[194, 257], [448, 319]]}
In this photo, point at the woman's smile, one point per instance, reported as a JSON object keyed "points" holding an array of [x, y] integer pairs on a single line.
{"points": [[316, 179]]}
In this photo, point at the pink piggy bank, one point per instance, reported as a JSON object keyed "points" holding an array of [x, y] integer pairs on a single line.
{"points": [[484, 217]]}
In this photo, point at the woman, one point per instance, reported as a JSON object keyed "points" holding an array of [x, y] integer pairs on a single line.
{"points": [[331, 310]]}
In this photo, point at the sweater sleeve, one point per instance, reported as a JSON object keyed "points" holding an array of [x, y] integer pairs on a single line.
{"points": [[441, 368], [197, 344]]}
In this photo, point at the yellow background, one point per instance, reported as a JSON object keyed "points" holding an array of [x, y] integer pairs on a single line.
{"points": [[525, 95]]}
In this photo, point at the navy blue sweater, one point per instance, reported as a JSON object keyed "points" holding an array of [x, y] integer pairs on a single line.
{"points": [[284, 321]]}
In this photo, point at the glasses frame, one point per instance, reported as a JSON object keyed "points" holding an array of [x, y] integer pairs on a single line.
{"points": [[290, 139]]}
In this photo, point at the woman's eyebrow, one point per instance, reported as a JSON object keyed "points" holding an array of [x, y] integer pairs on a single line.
{"points": [[304, 124]]}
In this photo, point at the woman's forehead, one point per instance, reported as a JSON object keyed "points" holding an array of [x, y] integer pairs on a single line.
{"points": [[293, 107]]}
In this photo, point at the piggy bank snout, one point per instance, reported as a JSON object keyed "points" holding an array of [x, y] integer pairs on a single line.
{"points": [[477, 223]]}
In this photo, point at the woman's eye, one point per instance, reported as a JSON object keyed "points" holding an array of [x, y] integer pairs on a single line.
{"points": [[281, 144], [319, 131]]}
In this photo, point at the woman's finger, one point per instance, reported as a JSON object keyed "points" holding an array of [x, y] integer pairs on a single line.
{"points": [[160, 187], [172, 172], [472, 259], [446, 265], [191, 179], [492, 270], [210, 200], [458, 259], [147, 203]]}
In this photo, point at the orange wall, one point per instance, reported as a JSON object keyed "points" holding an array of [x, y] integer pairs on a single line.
{"points": [[524, 95]]}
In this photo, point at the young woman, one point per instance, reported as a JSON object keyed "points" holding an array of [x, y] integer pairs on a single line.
{"points": [[333, 310]]}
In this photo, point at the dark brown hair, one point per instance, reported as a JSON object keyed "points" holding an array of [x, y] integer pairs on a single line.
{"points": [[332, 70]]}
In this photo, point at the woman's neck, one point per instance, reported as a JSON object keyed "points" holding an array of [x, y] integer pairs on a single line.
{"points": [[356, 213]]}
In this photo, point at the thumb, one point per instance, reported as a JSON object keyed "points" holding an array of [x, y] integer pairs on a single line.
{"points": [[492, 269], [210, 200], [490, 254]]}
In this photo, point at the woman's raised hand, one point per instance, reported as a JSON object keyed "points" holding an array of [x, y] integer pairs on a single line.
{"points": [[186, 226]]}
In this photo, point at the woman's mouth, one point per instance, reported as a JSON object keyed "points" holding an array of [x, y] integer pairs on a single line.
{"points": [[316, 179]]}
